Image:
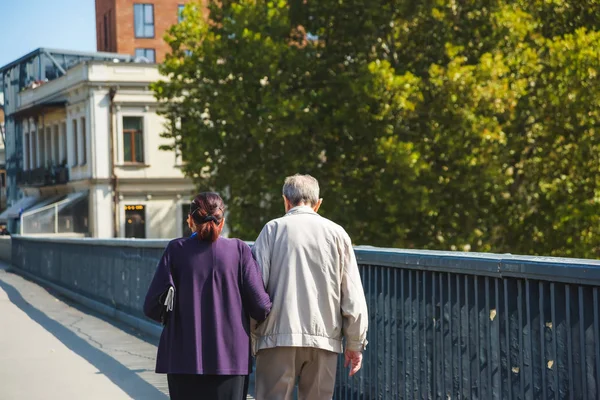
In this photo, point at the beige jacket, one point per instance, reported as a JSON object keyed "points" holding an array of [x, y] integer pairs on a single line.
{"points": [[310, 272]]}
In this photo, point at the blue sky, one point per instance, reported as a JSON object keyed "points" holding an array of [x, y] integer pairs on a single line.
{"points": [[26, 25]]}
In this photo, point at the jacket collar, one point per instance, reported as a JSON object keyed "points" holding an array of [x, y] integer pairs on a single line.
{"points": [[301, 210]]}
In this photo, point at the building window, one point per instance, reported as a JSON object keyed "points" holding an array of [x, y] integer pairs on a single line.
{"points": [[83, 142], [180, 12], [135, 221], [64, 148], [27, 152], [148, 54], [48, 147], [75, 144], [33, 139], [41, 143], [56, 146], [133, 140], [144, 20]]}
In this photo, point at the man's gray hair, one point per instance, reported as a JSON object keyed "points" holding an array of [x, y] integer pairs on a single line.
{"points": [[301, 189]]}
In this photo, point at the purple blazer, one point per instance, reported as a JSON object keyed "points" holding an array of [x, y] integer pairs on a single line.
{"points": [[218, 287]]}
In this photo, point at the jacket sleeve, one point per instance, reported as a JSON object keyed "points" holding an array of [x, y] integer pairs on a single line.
{"points": [[353, 303], [256, 299], [262, 254], [160, 284]]}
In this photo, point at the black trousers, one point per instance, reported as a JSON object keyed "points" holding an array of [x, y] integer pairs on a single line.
{"points": [[208, 387]]}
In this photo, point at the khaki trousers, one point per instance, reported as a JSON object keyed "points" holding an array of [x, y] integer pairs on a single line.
{"points": [[278, 368]]}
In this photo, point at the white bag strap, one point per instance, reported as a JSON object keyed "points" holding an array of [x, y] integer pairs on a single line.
{"points": [[170, 298]]}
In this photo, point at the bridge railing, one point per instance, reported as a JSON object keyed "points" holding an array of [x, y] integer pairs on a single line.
{"points": [[443, 325]]}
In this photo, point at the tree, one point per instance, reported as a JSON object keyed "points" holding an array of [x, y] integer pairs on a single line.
{"points": [[432, 124]]}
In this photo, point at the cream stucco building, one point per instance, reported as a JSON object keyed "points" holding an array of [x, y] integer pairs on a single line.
{"points": [[91, 162]]}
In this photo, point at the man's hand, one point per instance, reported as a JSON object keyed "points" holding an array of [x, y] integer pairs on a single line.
{"points": [[353, 359]]}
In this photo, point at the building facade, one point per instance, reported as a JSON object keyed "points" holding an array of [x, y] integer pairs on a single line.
{"points": [[136, 27], [89, 158], [3, 201], [30, 71]]}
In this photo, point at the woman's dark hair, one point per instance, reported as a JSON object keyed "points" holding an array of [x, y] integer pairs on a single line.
{"points": [[207, 211]]}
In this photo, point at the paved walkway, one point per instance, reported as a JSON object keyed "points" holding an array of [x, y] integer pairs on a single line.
{"points": [[53, 349]]}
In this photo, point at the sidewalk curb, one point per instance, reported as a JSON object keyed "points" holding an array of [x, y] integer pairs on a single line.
{"points": [[140, 324]]}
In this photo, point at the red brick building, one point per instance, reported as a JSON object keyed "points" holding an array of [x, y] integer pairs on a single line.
{"points": [[136, 27]]}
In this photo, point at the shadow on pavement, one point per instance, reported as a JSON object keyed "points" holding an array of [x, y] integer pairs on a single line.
{"points": [[120, 375], [79, 307]]}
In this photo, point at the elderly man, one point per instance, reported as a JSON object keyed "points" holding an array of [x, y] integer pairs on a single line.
{"points": [[310, 272]]}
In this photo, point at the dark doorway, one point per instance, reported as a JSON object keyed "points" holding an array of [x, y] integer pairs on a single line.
{"points": [[135, 222], [185, 229]]}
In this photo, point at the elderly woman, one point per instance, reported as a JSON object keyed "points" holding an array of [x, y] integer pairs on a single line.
{"points": [[205, 345]]}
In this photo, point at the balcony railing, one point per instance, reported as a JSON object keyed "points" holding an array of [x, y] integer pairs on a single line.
{"points": [[48, 176]]}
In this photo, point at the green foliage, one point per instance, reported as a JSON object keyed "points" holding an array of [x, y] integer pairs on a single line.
{"points": [[435, 124]]}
